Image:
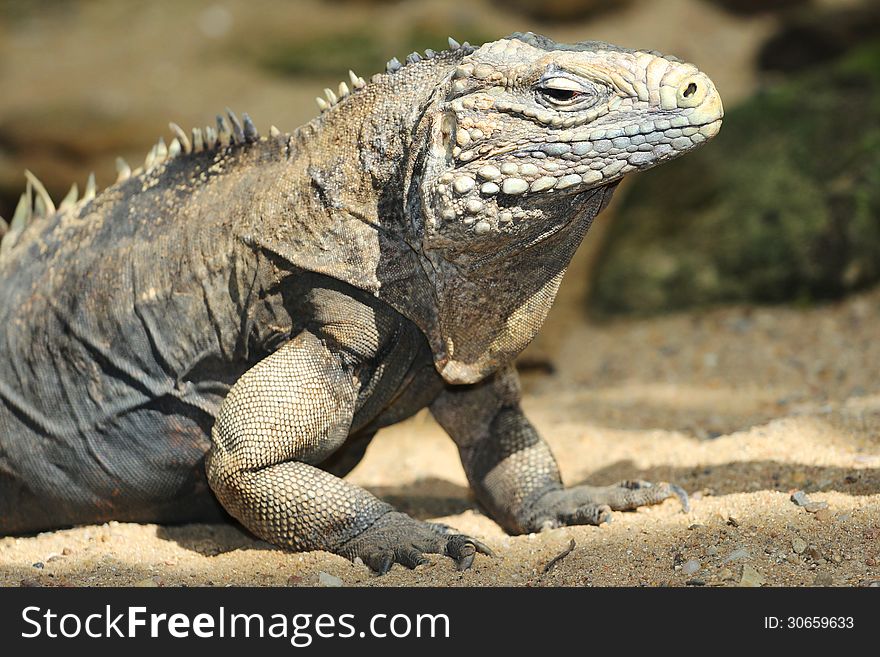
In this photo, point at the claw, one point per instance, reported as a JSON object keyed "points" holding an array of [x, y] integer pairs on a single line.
{"points": [[482, 548], [465, 562], [682, 496], [411, 558], [380, 562]]}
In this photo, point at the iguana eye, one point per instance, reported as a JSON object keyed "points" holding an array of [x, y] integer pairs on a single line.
{"points": [[562, 91], [561, 95]]}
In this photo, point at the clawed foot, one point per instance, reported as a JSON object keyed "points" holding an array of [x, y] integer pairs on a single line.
{"points": [[592, 505], [397, 538]]}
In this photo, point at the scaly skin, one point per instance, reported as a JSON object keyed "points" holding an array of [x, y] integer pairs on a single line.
{"points": [[289, 296]]}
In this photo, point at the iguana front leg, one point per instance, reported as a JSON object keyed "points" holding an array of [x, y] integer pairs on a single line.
{"points": [[283, 416], [512, 471]]}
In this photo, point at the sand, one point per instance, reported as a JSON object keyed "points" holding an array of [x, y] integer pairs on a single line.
{"points": [[740, 406]]}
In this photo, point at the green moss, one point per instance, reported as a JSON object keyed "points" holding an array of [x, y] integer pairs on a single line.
{"points": [[784, 205]]}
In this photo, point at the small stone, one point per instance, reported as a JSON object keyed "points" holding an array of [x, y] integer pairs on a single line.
{"points": [[726, 574], [325, 579], [39, 565], [696, 525], [296, 580], [733, 522], [712, 550], [870, 561], [751, 577], [695, 582], [482, 227], [29, 582], [800, 498], [149, 582], [66, 552], [814, 553], [823, 579], [823, 515], [737, 555], [690, 566], [799, 545]]}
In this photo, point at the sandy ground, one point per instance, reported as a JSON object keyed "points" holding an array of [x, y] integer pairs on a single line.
{"points": [[740, 406]]}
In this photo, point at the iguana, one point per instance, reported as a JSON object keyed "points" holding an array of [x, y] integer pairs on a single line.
{"points": [[236, 320]]}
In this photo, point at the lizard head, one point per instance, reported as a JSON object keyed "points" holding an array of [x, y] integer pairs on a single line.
{"points": [[524, 142], [527, 127]]}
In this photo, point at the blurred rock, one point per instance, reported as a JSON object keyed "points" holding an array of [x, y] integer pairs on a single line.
{"points": [[783, 206], [808, 38], [750, 7], [563, 10]]}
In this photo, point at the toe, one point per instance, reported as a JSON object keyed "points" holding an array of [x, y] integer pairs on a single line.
{"points": [[588, 514], [410, 557], [380, 561], [461, 549]]}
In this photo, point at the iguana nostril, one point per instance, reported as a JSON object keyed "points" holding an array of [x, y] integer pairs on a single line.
{"points": [[691, 91]]}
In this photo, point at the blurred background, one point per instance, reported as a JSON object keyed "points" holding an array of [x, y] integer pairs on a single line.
{"points": [[783, 208], [718, 328]]}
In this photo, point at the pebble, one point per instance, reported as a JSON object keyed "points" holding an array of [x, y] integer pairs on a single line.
{"points": [[296, 580], [695, 582], [29, 582], [799, 545], [149, 582], [823, 579], [751, 577], [39, 565], [736, 555], [814, 553], [325, 579], [726, 573], [800, 498], [711, 550], [66, 552], [690, 566], [823, 515]]}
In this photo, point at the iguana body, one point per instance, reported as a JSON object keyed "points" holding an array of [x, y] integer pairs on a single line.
{"points": [[237, 321]]}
